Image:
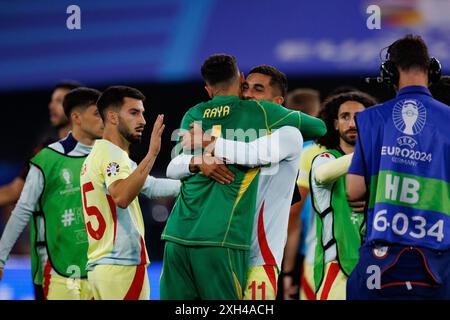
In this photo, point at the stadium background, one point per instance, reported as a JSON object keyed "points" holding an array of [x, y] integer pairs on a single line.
{"points": [[158, 47]]}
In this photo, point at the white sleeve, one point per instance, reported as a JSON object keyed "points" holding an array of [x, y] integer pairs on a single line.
{"points": [[157, 188], [333, 170], [20, 216], [283, 144], [320, 160], [179, 167]]}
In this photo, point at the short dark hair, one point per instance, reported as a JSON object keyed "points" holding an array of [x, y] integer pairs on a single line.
{"points": [[330, 110], [305, 100], [81, 97], [68, 85], [219, 69], [113, 97], [441, 90], [278, 79], [409, 52]]}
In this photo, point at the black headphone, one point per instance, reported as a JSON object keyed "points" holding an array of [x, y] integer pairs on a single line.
{"points": [[389, 72]]}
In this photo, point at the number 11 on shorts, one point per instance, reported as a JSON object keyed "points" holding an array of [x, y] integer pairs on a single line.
{"points": [[261, 288]]}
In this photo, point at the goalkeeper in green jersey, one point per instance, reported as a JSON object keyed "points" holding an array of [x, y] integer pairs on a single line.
{"points": [[209, 230]]}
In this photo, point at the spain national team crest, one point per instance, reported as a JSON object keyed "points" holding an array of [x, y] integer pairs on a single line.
{"points": [[326, 155], [409, 116], [112, 169]]}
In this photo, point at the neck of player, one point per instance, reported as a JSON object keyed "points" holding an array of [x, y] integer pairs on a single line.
{"points": [[113, 135], [412, 78], [346, 147], [64, 131], [82, 137], [229, 91]]}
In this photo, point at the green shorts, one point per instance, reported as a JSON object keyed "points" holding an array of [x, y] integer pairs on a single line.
{"points": [[206, 273]]}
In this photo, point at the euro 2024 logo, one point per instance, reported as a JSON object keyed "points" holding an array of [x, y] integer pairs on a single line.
{"points": [[409, 117], [66, 176]]}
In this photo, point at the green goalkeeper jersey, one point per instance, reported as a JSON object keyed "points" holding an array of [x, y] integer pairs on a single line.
{"points": [[208, 213]]}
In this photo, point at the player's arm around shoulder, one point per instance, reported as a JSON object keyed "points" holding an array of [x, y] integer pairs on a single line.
{"points": [[278, 116], [292, 139], [311, 127], [284, 143]]}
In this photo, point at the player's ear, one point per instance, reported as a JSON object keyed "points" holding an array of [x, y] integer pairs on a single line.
{"points": [[210, 91], [75, 118], [241, 77], [113, 117], [336, 124], [279, 100]]}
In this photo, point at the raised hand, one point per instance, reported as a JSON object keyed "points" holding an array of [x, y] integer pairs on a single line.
{"points": [[155, 139]]}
